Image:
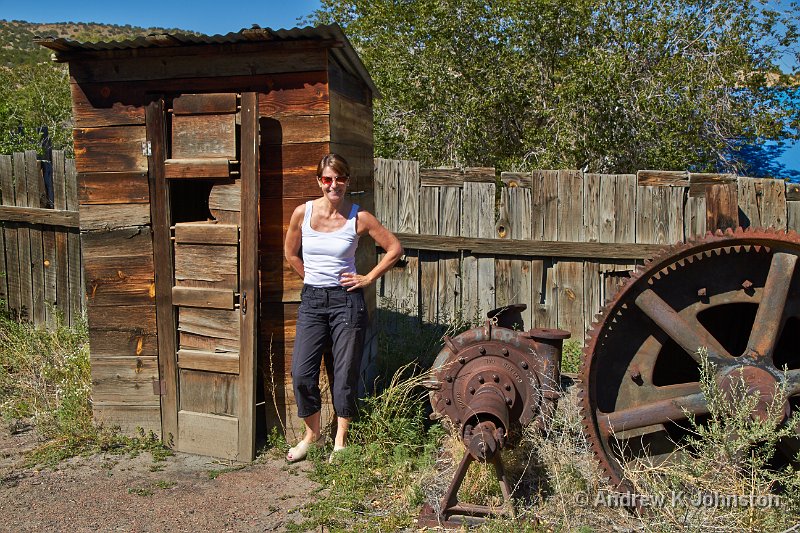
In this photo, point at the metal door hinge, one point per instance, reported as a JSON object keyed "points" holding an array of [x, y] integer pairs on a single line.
{"points": [[159, 387], [244, 303], [147, 149]]}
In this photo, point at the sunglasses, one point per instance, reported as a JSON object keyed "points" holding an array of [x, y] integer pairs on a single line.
{"points": [[326, 180]]}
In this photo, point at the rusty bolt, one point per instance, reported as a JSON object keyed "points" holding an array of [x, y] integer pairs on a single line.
{"points": [[701, 292], [495, 378], [509, 401], [447, 401], [449, 379], [505, 352], [480, 380], [482, 350], [472, 390], [462, 360], [746, 284], [636, 375], [524, 365], [458, 421], [508, 387]]}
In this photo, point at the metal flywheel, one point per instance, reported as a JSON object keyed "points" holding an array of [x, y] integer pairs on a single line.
{"points": [[734, 296]]}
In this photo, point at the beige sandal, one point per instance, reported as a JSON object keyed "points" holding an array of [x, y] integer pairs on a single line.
{"points": [[299, 451]]}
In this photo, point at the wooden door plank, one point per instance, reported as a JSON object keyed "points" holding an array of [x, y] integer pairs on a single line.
{"points": [[215, 393], [210, 168], [249, 304], [200, 432], [212, 266], [227, 363], [203, 136], [202, 297], [162, 258], [206, 233]]}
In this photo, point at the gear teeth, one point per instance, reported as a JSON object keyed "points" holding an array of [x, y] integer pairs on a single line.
{"points": [[712, 244]]}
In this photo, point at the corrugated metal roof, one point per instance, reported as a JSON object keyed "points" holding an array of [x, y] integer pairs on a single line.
{"points": [[69, 48]]}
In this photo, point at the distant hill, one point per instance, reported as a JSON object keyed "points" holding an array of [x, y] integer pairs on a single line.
{"points": [[17, 46]]}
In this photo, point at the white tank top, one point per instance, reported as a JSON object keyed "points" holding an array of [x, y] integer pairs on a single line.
{"points": [[327, 255]]}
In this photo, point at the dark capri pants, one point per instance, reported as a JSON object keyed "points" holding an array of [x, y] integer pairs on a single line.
{"points": [[328, 317]]}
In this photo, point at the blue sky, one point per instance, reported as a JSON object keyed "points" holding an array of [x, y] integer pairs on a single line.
{"points": [[206, 16]]}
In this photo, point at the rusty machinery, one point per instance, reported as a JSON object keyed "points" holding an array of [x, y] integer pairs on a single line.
{"points": [[491, 382], [733, 295]]}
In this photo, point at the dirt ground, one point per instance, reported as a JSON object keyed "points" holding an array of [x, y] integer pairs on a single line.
{"points": [[109, 492]]}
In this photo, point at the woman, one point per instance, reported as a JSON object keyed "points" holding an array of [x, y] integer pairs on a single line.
{"points": [[332, 310]]}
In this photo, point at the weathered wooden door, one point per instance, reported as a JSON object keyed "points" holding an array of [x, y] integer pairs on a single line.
{"points": [[203, 164]]}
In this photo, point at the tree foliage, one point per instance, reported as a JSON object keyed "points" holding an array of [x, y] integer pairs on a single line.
{"points": [[33, 96], [612, 86]]}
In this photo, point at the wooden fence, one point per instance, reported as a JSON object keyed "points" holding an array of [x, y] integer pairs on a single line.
{"points": [[40, 253], [561, 241]]}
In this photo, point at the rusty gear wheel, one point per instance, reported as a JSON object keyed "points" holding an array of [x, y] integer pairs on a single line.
{"points": [[736, 294]]}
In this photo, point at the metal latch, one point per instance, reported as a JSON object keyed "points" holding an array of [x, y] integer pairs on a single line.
{"points": [[244, 303], [147, 149]]}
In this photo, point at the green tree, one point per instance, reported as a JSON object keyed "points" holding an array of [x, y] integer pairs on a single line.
{"points": [[613, 86], [32, 96]]}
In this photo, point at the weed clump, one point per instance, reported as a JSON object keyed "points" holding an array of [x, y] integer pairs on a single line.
{"points": [[45, 383]]}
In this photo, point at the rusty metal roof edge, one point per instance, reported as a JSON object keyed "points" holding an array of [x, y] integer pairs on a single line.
{"points": [[62, 45]]}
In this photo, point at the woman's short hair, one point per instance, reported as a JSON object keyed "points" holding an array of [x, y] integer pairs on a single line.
{"points": [[336, 162]]}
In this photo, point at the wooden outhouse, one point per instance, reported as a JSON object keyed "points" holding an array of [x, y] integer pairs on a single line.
{"points": [[192, 152]]}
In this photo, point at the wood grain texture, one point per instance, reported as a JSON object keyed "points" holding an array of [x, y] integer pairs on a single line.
{"points": [[124, 380], [204, 104], [351, 122], [722, 206], [486, 229], [662, 178], [217, 266], [209, 361], [36, 198], [206, 233], [10, 261], [25, 310], [61, 251], [203, 136], [225, 196], [249, 281], [110, 149], [449, 297], [429, 261], [112, 188], [208, 434], [695, 217], [699, 181], [209, 392], [74, 270], [95, 104], [207, 168], [203, 297], [303, 93], [94, 217], [162, 258], [295, 129], [470, 202], [214, 323], [248, 62], [455, 177], [38, 215]]}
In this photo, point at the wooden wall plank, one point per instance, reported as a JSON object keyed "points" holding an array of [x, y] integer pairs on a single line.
{"points": [[295, 94], [111, 187], [695, 217], [25, 310], [61, 265], [407, 294], [124, 380], [597, 228], [722, 206], [209, 103], [544, 227], [201, 432], [96, 217], [192, 65], [470, 205], [10, 261], [449, 288], [773, 204], [518, 215], [570, 274], [110, 149], [429, 261], [486, 228], [351, 122], [793, 216], [299, 129]]}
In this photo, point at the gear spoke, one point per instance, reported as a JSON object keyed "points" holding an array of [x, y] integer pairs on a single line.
{"points": [[767, 324], [655, 412], [689, 336]]}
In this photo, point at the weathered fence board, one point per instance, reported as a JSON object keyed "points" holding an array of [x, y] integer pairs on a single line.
{"points": [[560, 241], [39, 241]]}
